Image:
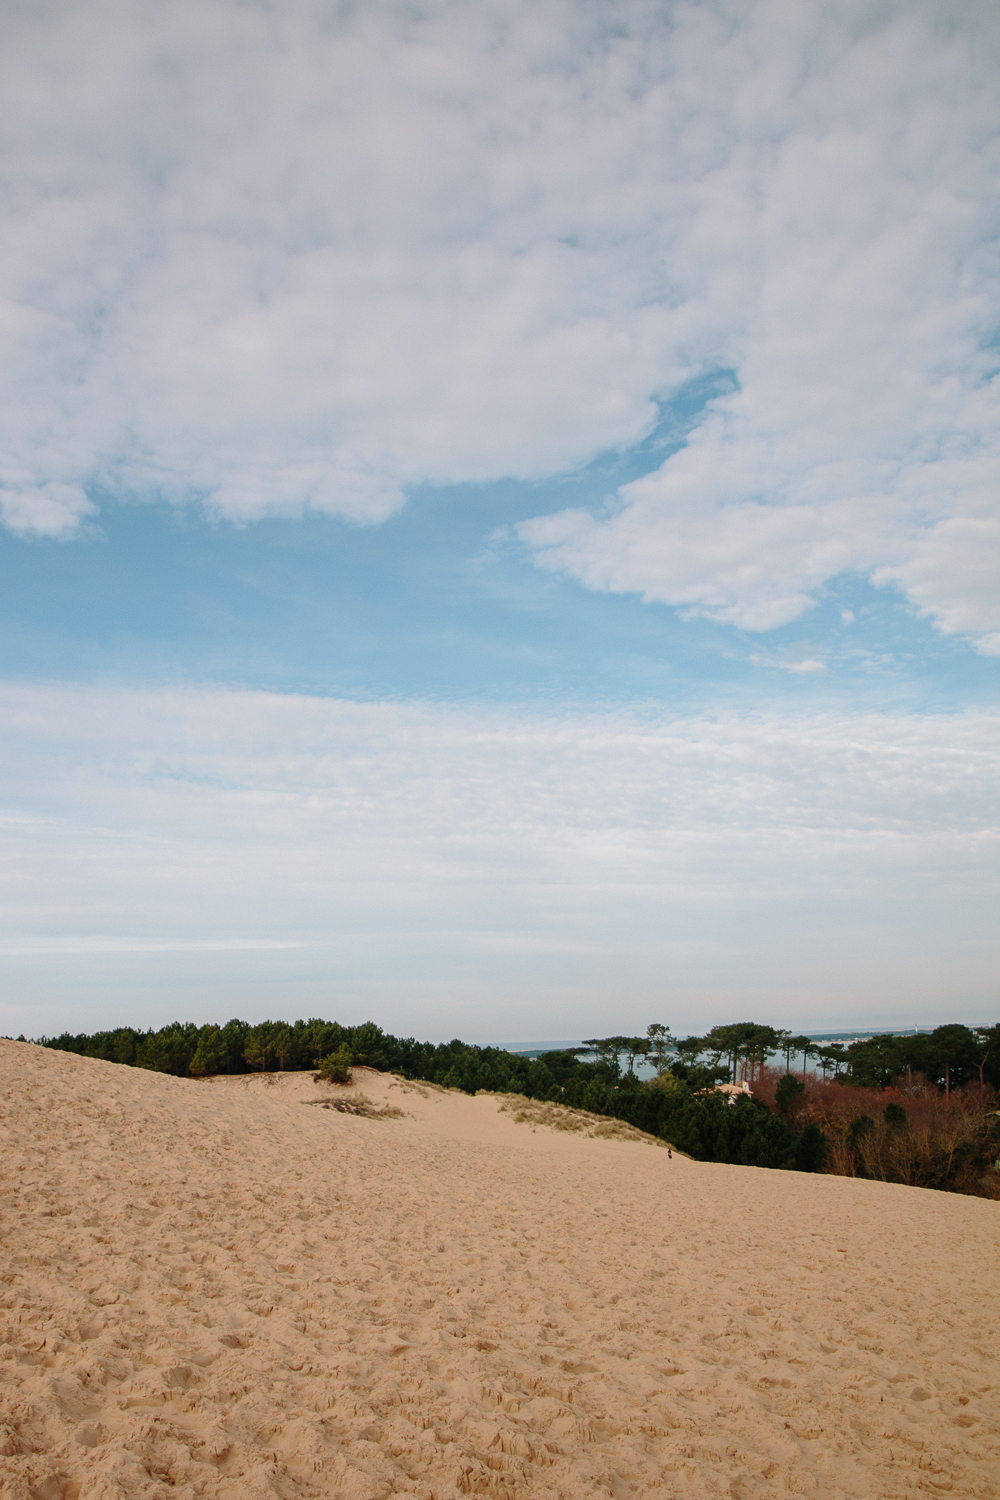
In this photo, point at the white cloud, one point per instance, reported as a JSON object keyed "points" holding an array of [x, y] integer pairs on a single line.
{"points": [[54, 510], [952, 573], [849, 268], [306, 256], [502, 872]]}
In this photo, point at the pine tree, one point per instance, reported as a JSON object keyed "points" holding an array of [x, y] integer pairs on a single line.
{"points": [[210, 1053]]}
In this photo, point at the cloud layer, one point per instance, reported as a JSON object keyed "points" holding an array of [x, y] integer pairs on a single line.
{"points": [[274, 258], [502, 873]]}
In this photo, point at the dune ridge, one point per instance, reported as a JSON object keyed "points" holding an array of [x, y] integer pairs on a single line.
{"points": [[211, 1290]]}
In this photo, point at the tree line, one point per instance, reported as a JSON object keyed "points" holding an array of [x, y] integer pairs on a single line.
{"points": [[948, 1057], [678, 1103]]}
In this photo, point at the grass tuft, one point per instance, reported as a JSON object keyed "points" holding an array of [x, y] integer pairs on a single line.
{"points": [[538, 1112], [359, 1104]]}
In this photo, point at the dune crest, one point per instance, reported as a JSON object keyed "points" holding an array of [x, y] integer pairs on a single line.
{"points": [[210, 1289]]}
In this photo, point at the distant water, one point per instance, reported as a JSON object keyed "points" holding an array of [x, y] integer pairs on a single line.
{"points": [[822, 1038], [534, 1049]]}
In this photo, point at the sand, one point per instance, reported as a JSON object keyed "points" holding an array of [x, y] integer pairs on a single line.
{"points": [[212, 1288]]}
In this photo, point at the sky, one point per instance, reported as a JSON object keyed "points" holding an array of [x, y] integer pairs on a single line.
{"points": [[499, 518]]}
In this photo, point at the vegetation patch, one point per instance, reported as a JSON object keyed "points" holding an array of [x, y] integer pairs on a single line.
{"points": [[424, 1088], [359, 1104], [543, 1112]]}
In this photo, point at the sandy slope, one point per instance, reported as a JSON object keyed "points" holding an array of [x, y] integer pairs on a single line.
{"points": [[211, 1289]]}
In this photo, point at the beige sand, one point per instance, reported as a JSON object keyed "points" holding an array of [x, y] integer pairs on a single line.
{"points": [[213, 1289]]}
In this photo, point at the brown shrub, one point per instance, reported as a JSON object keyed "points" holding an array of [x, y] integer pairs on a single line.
{"points": [[950, 1142]]}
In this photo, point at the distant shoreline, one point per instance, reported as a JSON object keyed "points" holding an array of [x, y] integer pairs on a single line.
{"points": [[824, 1038]]}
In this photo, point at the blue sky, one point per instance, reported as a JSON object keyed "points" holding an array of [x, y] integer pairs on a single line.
{"points": [[500, 527], [441, 602]]}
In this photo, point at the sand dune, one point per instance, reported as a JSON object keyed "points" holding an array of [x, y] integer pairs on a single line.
{"points": [[212, 1289]]}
